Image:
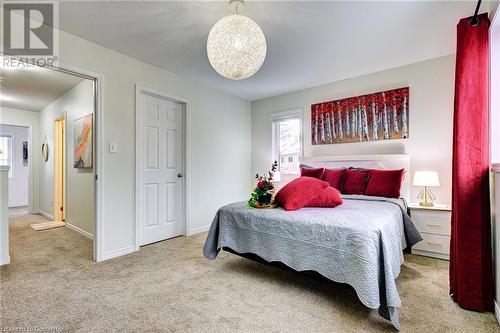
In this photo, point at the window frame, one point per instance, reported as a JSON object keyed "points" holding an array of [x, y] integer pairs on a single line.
{"points": [[276, 117], [10, 138]]}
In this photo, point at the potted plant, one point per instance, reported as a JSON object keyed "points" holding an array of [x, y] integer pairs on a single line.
{"points": [[263, 194]]}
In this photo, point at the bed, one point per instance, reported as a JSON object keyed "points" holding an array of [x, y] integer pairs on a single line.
{"points": [[359, 243]]}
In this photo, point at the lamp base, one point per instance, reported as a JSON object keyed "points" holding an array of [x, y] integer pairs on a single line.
{"points": [[426, 198]]}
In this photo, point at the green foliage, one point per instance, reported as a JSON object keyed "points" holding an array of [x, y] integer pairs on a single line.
{"points": [[264, 188]]}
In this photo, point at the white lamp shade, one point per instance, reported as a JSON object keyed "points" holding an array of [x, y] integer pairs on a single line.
{"points": [[426, 178], [236, 47]]}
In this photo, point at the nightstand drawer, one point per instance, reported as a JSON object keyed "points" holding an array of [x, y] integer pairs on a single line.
{"points": [[433, 244], [433, 222]]}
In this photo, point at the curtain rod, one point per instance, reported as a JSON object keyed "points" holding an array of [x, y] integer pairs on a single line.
{"points": [[474, 20]]}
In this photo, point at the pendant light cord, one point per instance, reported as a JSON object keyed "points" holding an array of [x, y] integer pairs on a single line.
{"points": [[237, 4]]}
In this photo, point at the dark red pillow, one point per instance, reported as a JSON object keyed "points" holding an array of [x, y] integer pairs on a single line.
{"points": [[297, 193], [329, 197], [355, 181], [312, 172], [385, 183], [334, 177]]}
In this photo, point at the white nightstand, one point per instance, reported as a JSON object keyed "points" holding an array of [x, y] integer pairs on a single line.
{"points": [[434, 224]]}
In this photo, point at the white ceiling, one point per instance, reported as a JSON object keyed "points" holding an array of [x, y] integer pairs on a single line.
{"points": [[309, 43], [33, 88]]}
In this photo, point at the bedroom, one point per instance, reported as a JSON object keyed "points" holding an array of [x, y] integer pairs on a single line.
{"points": [[155, 53]]}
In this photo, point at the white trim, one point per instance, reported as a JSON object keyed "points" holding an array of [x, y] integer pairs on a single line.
{"points": [[31, 157], [177, 99], [47, 215], [494, 14], [118, 253], [497, 311], [11, 138], [198, 230], [430, 254], [495, 168], [80, 231], [4, 260]]}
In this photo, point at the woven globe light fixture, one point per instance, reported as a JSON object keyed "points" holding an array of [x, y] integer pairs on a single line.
{"points": [[236, 46]]}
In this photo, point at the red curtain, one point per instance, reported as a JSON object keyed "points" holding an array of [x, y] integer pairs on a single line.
{"points": [[471, 277]]}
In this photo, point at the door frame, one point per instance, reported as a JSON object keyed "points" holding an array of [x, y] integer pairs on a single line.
{"points": [[185, 157], [98, 249], [62, 117], [31, 167], [98, 79]]}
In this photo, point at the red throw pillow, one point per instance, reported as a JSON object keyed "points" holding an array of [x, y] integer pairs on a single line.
{"points": [[312, 172], [329, 197], [297, 193], [355, 181], [334, 177], [385, 183]]}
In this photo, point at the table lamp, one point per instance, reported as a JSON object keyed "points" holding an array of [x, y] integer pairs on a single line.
{"points": [[426, 179]]}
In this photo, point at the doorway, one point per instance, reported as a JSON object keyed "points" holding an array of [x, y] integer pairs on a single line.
{"points": [[160, 167], [15, 141], [62, 191], [60, 170]]}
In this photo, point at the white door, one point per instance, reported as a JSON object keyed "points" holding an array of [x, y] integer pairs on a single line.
{"points": [[160, 169]]}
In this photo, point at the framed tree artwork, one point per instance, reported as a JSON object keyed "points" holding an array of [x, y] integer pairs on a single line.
{"points": [[373, 117]]}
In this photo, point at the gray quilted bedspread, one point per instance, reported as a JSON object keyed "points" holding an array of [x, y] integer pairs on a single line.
{"points": [[360, 243]]}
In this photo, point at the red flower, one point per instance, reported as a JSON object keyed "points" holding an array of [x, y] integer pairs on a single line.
{"points": [[261, 184]]}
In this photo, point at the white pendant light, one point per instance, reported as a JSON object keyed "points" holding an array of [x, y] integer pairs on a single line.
{"points": [[236, 46]]}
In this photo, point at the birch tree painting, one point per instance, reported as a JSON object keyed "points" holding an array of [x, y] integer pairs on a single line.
{"points": [[373, 117]]}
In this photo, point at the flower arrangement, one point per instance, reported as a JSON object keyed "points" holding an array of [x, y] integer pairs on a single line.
{"points": [[263, 194]]}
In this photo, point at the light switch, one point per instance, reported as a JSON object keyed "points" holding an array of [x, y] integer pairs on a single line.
{"points": [[113, 147]]}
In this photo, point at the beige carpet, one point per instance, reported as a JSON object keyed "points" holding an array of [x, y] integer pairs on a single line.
{"points": [[170, 287]]}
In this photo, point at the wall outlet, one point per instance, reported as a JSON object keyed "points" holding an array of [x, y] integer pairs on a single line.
{"points": [[113, 147]]}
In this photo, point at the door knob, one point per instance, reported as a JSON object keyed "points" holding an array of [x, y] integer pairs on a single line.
{"points": [[180, 175]]}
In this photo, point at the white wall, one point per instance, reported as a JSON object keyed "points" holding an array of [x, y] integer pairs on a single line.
{"points": [[495, 144], [31, 120], [430, 115], [19, 182], [219, 139], [76, 103]]}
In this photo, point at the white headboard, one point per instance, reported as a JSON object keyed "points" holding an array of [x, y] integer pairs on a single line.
{"points": [[381, 162]]}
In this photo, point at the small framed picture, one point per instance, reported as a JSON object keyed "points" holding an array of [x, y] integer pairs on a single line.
{"points": [[25, 153]]}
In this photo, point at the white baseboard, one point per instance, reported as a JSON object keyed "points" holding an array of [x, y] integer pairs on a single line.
{"points": [[118, 253], [198, 230], [497, 311], [47, 215], [80, 231], [4, 260]]}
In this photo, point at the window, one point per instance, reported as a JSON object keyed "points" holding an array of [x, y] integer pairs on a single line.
{"points": [[287, 143], [6, 152]]}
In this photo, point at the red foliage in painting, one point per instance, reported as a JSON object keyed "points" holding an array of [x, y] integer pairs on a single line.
{"points": [[371, 117]]}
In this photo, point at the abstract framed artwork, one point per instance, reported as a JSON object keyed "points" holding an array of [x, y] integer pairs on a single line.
{"points": [[82, 151], [372, 117]]}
